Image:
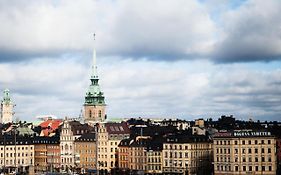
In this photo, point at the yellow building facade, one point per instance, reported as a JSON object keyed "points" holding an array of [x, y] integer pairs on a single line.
{"points": [[244, 152]]}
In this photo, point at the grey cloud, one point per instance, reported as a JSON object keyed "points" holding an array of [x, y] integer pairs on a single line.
{"points": [[129, 29], [252, 33]]}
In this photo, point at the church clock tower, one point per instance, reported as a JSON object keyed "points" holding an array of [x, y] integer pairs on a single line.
{"points": [[94, 105], [6, 108]]}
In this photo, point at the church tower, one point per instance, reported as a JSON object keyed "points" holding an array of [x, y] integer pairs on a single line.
{"points": [[94, 105], [6, 108]]}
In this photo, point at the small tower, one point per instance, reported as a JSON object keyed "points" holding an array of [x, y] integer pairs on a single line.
{"points": [[94, 105], [6, 108]]}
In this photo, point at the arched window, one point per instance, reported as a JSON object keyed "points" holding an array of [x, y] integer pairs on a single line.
{"points": [[90, 114], [99, 113]]}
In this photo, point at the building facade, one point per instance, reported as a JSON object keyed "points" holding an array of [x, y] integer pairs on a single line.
{"points": [[16, 154], [187, 154], [53, 154], [85, 149], [109, 136], [244, 152], [154, 157], [123, 154], [70, 131]]}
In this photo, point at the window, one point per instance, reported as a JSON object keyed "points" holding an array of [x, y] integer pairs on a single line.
{"points": [[243, 142], [99, 113], [250, 168], [250, 142], [236, 168], [244, 168], [262, 150], [269, 168], [90, 114], [269, 141], [269, 159], [269, 150], [263, 168], [249, 150], [256, 150], [257, 168]]}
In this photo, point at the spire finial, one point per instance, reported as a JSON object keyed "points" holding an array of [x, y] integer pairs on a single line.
{"points": [[94, 68]]}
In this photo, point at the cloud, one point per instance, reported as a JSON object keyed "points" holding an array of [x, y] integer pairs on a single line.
{"points": [[124, 28], [251, 32], [144, 88], [170, 31], [220, 31]]}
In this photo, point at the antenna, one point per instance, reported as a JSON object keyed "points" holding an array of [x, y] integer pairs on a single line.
{"points": [[94, 68]]}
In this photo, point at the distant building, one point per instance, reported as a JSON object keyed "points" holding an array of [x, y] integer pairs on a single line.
{"points": [[70, 131], [198, 130], [6, 108], [200, 123], [46, 154], [53, 154], [137, 154], [86, 151], [94, 105], [179, 124], [244, 152], [154, 157], [109, 136], [186, 154], [16, 153], [123, 154]]}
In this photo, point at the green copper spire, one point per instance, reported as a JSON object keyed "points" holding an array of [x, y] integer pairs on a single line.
{"points": [[94, 96]]}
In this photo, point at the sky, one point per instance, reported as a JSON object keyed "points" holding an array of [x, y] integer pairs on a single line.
{"points": [[183, 59]]}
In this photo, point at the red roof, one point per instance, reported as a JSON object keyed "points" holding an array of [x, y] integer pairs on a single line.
{"points": [[51, 124]]}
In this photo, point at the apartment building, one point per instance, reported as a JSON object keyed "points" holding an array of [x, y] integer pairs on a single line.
{"points": [[109, 136], [154, 157], [53, 154], [16, 154], [85, 149], [137, 154], [70, 131], [244, 152], [123, 154], [187, 154]]}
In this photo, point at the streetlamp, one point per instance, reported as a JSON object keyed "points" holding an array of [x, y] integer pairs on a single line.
{"points": [[186, 168], [15, 144], [4, 167]]}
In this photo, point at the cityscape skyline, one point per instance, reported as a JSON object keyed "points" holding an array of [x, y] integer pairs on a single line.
{"points": [[209, 61]]}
